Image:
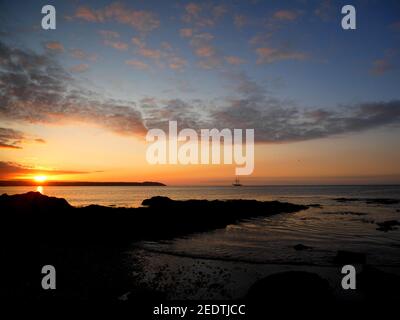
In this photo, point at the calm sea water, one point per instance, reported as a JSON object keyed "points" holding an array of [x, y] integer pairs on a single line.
{"points": [[335, 226]]}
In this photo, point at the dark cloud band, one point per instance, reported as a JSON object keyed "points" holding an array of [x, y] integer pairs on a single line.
{"points": [[35, 88]]}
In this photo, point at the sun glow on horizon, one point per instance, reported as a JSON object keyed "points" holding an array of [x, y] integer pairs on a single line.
{"points": [[40, 178]]}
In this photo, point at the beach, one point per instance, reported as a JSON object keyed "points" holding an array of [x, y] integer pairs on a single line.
{"points": [[168, 249]]}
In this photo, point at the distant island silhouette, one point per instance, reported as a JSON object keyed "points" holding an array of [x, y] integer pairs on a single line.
{"points": [[16, 183]]}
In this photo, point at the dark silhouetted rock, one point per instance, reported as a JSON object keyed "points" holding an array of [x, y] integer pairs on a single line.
{"points": [[379, 286], [346, 199], [348, 257], [315, 205], [382, 201], [161, 217], [301, 247], [370, 200], [288, 289], [33, 202], [345, 213], [388, 225]]}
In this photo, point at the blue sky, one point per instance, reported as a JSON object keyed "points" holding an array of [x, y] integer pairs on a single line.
{"points": [[336, 66]]}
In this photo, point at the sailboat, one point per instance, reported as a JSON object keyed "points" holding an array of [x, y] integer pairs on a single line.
{"points": [[237, 183]]}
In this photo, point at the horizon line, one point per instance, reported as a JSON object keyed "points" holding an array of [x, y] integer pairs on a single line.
{"points": [[16, 183]]}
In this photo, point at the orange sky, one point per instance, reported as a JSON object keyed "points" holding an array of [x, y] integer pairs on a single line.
{"points": [[105, 156]]}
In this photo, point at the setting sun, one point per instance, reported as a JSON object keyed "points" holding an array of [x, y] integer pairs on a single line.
{"points": [[40, 178]]}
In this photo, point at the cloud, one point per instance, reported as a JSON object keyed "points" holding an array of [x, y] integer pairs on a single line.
{"points": [[186, 32], [143, 50], [149, 53], [385, 64], [381, 66], [177, 63], [192, 9], [260, 39], [164, 55], [119, 45], [269, 55], [88, 14], [278, 121], [274, 120], [9, 170], [219, 10], [240, 20], [395, 26], [108, 34], [205, 51], [234, 60], [82, 55], [203, 48], [203, 15], [36, 89], [82, 67], [137, 64], [111, 40], [12, 139], [326, 10], [54, 46], [286, 15], [143, 21]]}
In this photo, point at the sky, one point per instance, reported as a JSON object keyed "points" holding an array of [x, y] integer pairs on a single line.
{"points": [[76, 102]]}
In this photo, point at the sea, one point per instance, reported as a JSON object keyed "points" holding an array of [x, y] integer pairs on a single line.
{"points": [[324, 229]]}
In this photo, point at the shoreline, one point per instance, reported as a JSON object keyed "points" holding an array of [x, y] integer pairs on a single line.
{"points": [[93, 249], [242, 275]]}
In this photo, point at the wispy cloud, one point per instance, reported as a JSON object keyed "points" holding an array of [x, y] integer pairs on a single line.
{"points": [[269, 55], [286, 15], [381, 66], [203, 15], [37, 89], [143, 21], [240, 20], [163, 56], [119, 45], [82, 55], [11, 170], [10, 138], [108, 34], [111, 39], [395, 26], [82, 67], [325, 10], [234, 60], [186, 32], [385, 64], [177, 63], [274, 120], [54, 46], [137, 64], [13, 139], [205, 50]]}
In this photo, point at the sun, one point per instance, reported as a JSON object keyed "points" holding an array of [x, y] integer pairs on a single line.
{"points": [[40, 178]]}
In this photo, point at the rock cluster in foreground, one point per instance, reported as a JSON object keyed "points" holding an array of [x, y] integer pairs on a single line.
{"points": [[53, 219]]}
